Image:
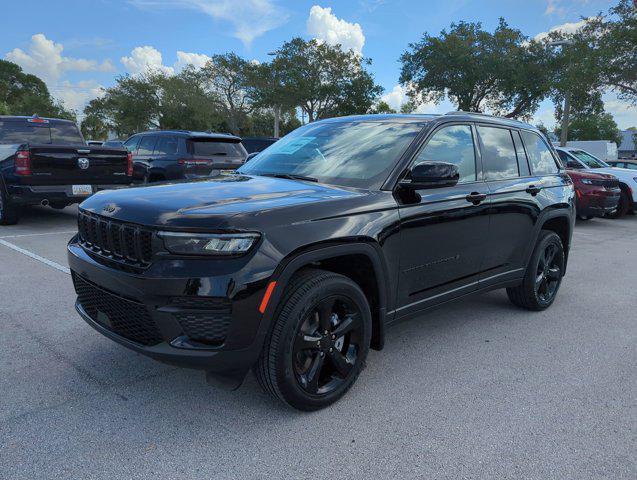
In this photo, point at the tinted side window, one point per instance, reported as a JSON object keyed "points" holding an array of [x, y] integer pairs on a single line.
{"points": [[453, 144], [523, 162], [498, 158], [540, 157], [147, 145], [131, 144], [166, 146]]}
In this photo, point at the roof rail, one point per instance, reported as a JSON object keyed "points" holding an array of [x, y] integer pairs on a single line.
{"points": [[485, 115]]}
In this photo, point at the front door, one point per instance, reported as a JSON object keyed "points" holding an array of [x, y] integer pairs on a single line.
{"points": [[444, 231]]}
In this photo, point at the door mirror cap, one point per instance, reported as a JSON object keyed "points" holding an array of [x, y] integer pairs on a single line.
{"points": [[432, 175], [251, 156]]}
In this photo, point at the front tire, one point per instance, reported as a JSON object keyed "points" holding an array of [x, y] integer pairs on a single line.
{"points": [[319, 341], [543, 275]]}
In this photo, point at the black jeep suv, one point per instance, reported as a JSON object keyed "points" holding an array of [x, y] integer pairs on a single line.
{"points": [[160, 155], [295, 264]]}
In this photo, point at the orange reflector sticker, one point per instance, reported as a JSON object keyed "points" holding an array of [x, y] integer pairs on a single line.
{"points": [[266, 297]]}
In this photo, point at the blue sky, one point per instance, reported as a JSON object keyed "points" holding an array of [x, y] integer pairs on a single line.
{"points": [[79, 46]]}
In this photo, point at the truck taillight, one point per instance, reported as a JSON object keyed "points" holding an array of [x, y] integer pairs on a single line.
{"points": [[129, 165], [23, 162]]}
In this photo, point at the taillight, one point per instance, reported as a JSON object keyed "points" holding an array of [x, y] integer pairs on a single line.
{"points": [[23, 162], [129, 164]]}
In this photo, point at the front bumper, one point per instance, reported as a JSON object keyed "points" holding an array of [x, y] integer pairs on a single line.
{"points": [[35, 194], [597, 203], [173, 313]]}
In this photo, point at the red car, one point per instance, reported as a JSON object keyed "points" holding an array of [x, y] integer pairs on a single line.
{"points": [[597, 193]]}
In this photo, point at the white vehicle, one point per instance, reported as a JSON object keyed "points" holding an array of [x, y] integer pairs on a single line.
{"points": [[579, 159], [606, 151]]}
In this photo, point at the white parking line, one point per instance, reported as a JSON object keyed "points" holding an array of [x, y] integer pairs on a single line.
{"points": [[37, 234], [35, 256]]}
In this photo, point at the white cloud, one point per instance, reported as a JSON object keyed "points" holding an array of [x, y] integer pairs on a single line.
{"points": [[565, 28], [145, 59], [624, 113], [396, 98], [197, 60], [76, 95], [250, 18], [44, 58], [323, 25]]}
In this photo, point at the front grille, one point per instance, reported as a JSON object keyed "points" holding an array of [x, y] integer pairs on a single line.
{"points": [[611, 183], [122, 242], [207, 319], [125, 317]]}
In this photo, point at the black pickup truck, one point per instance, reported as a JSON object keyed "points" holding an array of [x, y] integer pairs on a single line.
{"points": [[45, 161]]}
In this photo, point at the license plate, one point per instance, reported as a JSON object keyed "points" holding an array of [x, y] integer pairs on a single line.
{"points": [[82, 190]]}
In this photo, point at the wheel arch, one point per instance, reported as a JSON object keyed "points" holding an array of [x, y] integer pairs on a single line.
{"points": [[358, 260], [560, 222]]}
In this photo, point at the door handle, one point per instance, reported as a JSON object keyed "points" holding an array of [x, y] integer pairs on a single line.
{"points": [[533, 190], [476, 198]]}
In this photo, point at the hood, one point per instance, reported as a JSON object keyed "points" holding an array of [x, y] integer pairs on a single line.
{"points": [[579, 173], [210, 203]]}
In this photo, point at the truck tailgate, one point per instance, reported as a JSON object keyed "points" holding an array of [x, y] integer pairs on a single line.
{"points": [[63, 165]]}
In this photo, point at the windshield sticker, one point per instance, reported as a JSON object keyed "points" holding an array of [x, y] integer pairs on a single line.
{"points": [[295, 145]]}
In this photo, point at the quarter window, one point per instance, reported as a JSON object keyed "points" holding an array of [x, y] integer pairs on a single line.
{"points": [[540, 157], [453, 144], [498, 156]]}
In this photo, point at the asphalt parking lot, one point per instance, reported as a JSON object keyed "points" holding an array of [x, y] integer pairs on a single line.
{"points": [[478, 389]]}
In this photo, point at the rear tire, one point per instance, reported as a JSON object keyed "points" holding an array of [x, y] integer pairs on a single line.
{"points": [[543, 275], [9, 213], [318, 343]]}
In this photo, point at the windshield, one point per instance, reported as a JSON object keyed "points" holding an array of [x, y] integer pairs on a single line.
{"points": [[356, 153], [588, 160], [47, 132]]}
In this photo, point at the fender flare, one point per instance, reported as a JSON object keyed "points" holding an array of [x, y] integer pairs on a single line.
{"points": [[293, 263], [568, 214]]}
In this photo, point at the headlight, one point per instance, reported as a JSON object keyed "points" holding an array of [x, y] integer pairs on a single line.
{"points": [[208, 243], [587, 181]]}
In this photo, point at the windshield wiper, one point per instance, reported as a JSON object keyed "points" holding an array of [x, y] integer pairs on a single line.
{"points": [[289, 176]]}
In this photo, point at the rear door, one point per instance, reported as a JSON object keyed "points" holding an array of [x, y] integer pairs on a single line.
{"points": [[444, 231], [144, 157], [514, 202]]}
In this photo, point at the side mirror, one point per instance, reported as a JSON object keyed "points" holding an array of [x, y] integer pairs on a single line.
{"points": [[573, 164], [432, 175], [251, 156]]}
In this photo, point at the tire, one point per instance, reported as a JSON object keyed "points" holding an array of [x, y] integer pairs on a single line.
{"points": [[543, 275], [9, 213], [622, 207], [584, 218], [290, 358]]}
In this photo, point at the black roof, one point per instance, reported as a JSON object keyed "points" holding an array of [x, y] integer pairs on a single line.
{"points": [[191, 133], [427, 117]]}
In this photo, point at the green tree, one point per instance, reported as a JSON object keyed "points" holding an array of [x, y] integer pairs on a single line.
{"points": [[501, 71], [598, 126], [25, 94], [382, 107], [325, 80], [227, 81]]}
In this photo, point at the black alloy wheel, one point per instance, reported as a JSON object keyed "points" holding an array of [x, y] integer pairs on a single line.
{"points": [[318, 341], [548, 273], [543, 275], [327, 345]]}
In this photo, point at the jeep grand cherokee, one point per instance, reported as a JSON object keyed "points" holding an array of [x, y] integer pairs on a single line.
{"points": [[294, 265]]}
